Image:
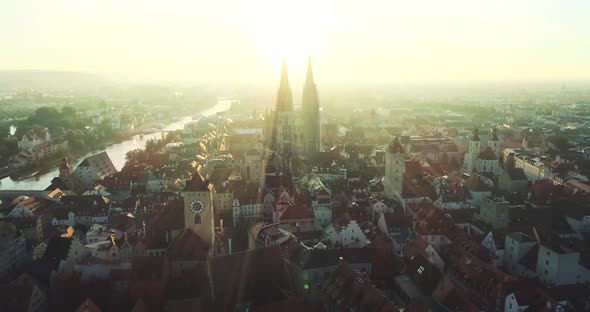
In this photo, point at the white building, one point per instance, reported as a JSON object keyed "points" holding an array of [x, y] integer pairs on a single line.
{"points": [[31, 139], [580, 221], [560, 265], [246, 211], [516, 246], [94, 168], [350, 235]]}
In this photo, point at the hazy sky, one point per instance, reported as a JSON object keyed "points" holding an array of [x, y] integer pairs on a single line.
{"points": [[244, 40]]}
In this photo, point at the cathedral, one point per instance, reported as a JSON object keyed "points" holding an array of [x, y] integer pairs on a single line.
{"points": [[286, 138], [283, 136]]}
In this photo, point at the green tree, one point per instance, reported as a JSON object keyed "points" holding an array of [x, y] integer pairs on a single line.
{"points": [[46, 114], [68, 111], [560, 141]]}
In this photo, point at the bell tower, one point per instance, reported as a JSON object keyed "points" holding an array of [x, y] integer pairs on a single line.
{"points": [[474, 150], [198, 209], [395, 167]]}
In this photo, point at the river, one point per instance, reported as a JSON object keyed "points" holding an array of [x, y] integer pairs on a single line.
{"points": [[116, 152]]}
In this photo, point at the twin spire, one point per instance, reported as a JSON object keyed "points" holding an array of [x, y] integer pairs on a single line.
{"points": [[285, 78], [284, 96]]}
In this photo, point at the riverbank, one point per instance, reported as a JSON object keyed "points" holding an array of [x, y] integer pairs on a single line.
{"points": [[116, 151]]}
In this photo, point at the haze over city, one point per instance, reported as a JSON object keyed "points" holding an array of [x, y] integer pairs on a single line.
{"points": [[273, 155], [226, 41]]}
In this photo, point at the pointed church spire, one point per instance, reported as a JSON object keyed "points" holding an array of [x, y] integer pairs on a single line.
{"points": [[284, 96], [284, 76], [309, 78]]}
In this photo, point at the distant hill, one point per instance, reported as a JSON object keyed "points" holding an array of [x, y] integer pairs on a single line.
{"points": [[48, 79]]}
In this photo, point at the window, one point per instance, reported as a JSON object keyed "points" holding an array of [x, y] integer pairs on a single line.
{"points": [[197, 219], [420, 270]]}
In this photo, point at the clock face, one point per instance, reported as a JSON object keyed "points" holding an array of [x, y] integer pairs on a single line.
{"points": [[197, 206]]}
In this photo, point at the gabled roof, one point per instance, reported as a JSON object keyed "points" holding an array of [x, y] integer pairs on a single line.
{"points": [[475, 183], [297, 212], [395, 146], [196, 184], [88, 306], [487, 154], [101, 162], [188, 246], [57, 248], [348, 290], [219, 175]]}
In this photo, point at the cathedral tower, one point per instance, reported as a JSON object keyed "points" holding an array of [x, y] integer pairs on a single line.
{"points": [[395, 167], [282, 129], [310, 106], [474, 150], [198, 210], [494, 142]]}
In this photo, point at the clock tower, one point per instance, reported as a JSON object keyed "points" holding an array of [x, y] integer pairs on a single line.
{"points": [[198, 210]]}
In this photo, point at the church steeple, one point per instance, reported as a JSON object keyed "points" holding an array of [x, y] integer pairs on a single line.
{"points": [[309, 78], [284, 95], [310, 106], [282, 131]]}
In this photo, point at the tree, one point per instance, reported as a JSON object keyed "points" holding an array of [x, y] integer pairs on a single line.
{"points": [[68, 111], [47, 114], [560, 141]]}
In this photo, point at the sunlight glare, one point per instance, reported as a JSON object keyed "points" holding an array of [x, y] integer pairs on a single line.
{"points": [[286, 28]]}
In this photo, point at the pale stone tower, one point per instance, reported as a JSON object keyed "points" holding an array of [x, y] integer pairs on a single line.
{"points": [[282, 140], [310, 106], [394, 169], [198, 210], [474, 150], [494, 142], [525, 141]]}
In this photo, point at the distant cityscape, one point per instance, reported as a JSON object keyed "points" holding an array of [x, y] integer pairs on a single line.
{"points": [[184, 202]]}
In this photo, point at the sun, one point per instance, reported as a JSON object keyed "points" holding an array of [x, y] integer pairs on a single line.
{"points": [[286, 28]]}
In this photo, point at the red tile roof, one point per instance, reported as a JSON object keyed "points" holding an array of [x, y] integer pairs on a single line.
{"points": [[487, 154]]}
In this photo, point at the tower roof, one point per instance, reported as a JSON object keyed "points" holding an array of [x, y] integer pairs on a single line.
{"points": [[196, 184], [494, 135], [309, 77], [284, 76], [284, 95], [396, 146], [487, 154], [475, 136]]}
